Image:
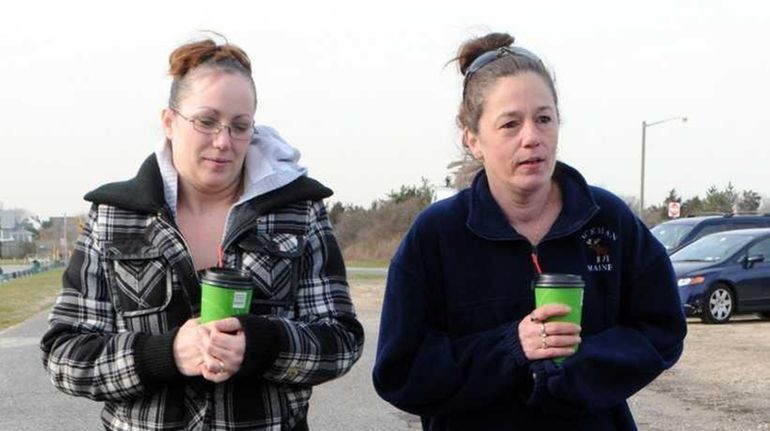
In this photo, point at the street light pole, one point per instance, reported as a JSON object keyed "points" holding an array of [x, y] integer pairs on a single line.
{"points": [[641, 192], [64, 243], [645, 125]]}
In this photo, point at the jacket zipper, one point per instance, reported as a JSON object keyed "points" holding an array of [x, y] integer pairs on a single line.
{"points": [[193, 274], [231, 238], [533, 252]]}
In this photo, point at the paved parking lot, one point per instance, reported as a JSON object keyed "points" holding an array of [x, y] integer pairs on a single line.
{"points": [[721, 383]]}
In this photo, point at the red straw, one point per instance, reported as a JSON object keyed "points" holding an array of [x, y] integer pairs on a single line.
{"points": [[537, 263], [220, 256]]}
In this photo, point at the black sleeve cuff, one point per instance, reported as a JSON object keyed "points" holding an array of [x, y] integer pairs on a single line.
{"points": [[154, 356], [514, 346], [263, 340], [541, 370]]}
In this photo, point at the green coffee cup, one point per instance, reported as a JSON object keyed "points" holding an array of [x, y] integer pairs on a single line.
{"points": [[564, 289], [225, 293]]}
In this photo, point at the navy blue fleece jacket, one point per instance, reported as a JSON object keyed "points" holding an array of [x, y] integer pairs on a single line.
{"points": [[460, 283]]}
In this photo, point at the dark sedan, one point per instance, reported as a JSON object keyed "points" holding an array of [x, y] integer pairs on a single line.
{"points": [[725, 273]]}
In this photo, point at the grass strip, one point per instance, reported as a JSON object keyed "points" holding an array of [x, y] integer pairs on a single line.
{"points": [[25, 297]]}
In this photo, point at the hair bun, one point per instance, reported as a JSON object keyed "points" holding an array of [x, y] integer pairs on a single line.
{"points": [[191, 55], [473, 48]]}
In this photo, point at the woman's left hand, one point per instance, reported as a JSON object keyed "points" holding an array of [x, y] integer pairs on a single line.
{"points": [[541, 339], [223, 346]]}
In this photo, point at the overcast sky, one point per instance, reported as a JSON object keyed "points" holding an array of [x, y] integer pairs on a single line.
{"points": [[361, 89]]}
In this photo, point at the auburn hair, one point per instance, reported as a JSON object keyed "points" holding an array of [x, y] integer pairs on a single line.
{"points": [[205, 54]]}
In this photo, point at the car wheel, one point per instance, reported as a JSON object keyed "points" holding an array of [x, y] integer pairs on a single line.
{"points": [[719, 304]]}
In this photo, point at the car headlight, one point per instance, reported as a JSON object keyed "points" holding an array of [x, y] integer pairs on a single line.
{"points": [[689, 281]]}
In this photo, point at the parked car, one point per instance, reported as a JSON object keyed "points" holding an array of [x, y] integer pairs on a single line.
{"points": [[675, 234], [725, 273]]}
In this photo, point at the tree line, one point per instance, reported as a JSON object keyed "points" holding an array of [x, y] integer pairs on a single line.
{"points": [[376, 231], [716, 201]]}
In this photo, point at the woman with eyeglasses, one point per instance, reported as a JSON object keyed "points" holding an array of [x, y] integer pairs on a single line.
{"points": [[218, 192], [461, 343]]}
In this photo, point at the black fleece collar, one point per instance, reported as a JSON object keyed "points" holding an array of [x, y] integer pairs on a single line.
{"points": [[144, 192], [486, 218]]}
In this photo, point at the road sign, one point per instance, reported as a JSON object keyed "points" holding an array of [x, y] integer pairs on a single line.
{"points": [[673, 209]]}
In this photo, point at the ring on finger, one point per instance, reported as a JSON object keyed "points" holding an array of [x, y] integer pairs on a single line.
{"points": [[542, 329], [221, 368], [543, 342]]}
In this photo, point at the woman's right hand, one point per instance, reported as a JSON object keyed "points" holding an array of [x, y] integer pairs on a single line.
{"points": [[188, 349], [544, 340]]}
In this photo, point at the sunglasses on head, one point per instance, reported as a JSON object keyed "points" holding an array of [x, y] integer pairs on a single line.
{"points": [[490, 56]]}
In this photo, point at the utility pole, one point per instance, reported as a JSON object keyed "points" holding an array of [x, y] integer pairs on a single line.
{"points": [[64, 246]]}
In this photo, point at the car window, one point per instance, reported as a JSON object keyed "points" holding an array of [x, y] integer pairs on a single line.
{"points": [[712, 248], [745, 225], [713, 228], [671, 234], [762, 247]]}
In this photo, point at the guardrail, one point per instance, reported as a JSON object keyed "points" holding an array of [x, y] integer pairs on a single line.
{"points": [[12, 275]]}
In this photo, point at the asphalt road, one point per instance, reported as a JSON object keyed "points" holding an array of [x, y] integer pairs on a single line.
{"points": [[28, 401]]}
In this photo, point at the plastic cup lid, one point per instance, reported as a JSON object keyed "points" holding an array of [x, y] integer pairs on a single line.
{"points": [[228, 277], [559, 280]]}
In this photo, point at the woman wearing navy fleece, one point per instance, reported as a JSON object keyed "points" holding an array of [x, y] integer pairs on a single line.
{"points": [[461, 342]]}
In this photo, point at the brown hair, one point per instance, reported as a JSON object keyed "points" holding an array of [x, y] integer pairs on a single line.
{"points": [[475, 87], [205, 53]]}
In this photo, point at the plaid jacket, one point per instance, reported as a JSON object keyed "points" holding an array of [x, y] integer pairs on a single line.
{"points": [[131, 283]]}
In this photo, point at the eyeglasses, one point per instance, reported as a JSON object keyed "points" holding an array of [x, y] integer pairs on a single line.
{"points": [[209, 126], [490, 56]]}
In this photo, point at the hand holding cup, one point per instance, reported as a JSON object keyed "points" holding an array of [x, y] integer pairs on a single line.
{"points": [[223, 347], [557, 316], [543, 339]]}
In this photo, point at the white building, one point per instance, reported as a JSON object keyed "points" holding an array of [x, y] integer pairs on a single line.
{"points": [[13, 234]]}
